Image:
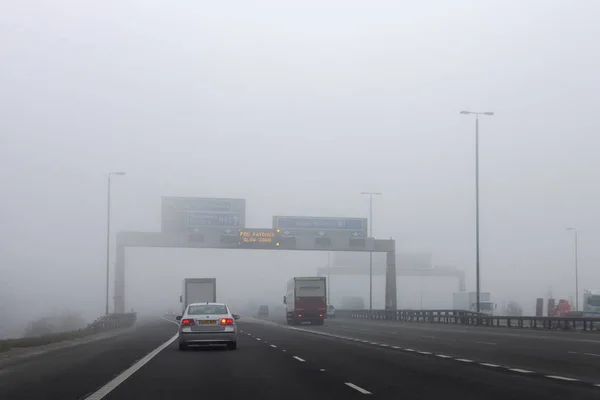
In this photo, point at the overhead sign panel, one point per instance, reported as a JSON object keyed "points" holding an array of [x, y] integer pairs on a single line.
{"points": [[258, 238], [197, 214], [321, 226]]}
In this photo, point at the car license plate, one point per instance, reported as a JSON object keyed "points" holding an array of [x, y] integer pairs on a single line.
{"points": [[208, 322]]}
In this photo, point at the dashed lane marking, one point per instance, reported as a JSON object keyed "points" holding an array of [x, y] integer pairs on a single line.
{"points": [[444, 356], [523, 371], [357, 388], [562, 378], [490, 365]]}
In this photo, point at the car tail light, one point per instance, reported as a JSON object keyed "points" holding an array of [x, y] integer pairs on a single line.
{"points": [[320, 315], [187, 322], [300, 315], [226, 321]]}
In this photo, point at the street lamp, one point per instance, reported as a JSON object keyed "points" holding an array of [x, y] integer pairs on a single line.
{"points": [[477, 114], [576, 269], [371, 194], [110, 174]]}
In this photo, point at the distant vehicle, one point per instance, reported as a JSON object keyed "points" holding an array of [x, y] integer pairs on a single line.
{"points": [[306, 300], [467, 301], [591, 302], [198, 290], [206, 324], [330, 311], [263, 311], [562, 309], [352, 303]]}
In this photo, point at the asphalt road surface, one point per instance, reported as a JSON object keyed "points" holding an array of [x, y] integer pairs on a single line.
{"points": [[344, 359]]}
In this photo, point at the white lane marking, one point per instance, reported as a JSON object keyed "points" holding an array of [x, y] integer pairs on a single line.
{"points": [[357, 388], [396, 347], [384, 345], [591, 354], [423, 352], [489, 365], [284, 350], [463, 360], [375, 343], [299, 359], [597, 384], [443, 356], [490, 343], [562, 378], [523, 371], [110, 386], [170, 320], [273, 346], [258, 338], [409, 349], [322, 370]]}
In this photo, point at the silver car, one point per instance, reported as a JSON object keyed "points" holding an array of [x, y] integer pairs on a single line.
{"points": [[207, 323]]}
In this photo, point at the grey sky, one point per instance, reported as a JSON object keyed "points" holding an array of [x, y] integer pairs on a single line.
{"points": [[298, 107]]}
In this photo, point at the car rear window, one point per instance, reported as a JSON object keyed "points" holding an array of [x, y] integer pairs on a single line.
{"points": [[206, 309]]}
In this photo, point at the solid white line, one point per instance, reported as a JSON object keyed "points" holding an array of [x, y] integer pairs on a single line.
{"points": [[592, 354], [273, 346], [490, 365], [443, 356], [409, 349], [463, 360], [562, 378], [523, 371], [110, 386], [299, 359], [170, 320], [357, 388], [423, 352]]}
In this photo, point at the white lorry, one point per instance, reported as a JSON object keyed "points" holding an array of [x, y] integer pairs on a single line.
{"points": [[468, 301], [198, 290], [591, 303]]}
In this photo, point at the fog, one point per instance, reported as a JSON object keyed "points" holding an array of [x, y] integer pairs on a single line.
{"points": [[296, 107]]}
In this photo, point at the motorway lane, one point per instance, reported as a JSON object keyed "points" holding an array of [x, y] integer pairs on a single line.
{"points": [[572, 355], [72, 372], [254, 370], [567, 354], [272, 361], [389, 373]]}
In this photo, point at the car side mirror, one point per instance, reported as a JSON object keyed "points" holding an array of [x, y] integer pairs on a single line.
{"points": [[178, 318], [235, 316]]}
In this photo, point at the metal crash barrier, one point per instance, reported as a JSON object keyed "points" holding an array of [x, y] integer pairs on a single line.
{"points": [[112, 321], [472, 318]]}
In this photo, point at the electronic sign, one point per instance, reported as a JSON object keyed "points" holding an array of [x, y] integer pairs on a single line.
{"points": [[258, 238]]}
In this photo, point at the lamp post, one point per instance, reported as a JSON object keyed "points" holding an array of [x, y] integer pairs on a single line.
{"points": [[477, 114], [371, 194], [576, 268], [110, 174]]}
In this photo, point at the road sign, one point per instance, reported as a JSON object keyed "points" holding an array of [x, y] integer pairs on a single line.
{"points": [[258, 238], [321, 226], [197, 214]]}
